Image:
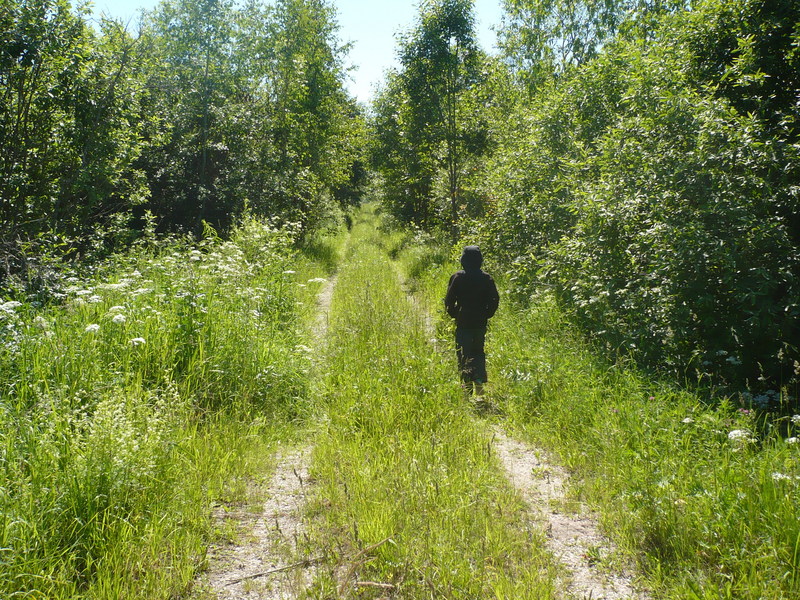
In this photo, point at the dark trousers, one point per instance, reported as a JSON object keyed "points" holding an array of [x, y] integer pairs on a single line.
{"points": [[471, 356]]}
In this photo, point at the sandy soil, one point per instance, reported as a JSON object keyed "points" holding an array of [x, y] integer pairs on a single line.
{"points": [[574, 539]]}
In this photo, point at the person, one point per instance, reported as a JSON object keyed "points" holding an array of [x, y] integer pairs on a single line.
{"points": [[472, 300]]}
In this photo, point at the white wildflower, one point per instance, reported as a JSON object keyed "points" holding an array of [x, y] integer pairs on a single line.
{"points": [[796, 419], [92, 328], [116, 309], [792, 440], [138, 341], [10, 306], [41, 323], [119, 319], [318, 280], [688, 420], [94, 299], [289, 272], [739, 435], [115, 286], [780, 477]]}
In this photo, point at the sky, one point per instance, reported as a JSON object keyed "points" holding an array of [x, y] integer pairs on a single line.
{"points": [[370, 25]]}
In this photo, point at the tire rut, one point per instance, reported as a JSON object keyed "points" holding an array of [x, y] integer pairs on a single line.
{"points": [[269, 560], [574, 539]]}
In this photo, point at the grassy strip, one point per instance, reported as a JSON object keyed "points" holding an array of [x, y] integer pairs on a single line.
{"points": [[705, 497], [134, 405], [409, 494]]}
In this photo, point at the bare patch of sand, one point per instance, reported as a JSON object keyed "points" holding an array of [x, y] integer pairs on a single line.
{"points": [[574, 539], [266, 560]]}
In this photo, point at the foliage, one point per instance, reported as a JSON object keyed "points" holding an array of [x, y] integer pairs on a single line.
{"points": [[659, 207], [702, 496], [428, 120], [69, 137], [209, 109], [132, 406], [544, 38], [705, 497]]}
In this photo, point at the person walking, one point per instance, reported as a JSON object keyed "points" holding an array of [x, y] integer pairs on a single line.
{"points": [[472, 300]]}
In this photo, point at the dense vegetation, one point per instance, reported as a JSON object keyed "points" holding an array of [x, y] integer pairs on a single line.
{"points": [[207, 108], [135, 404], [643, 163], [631, 169]]}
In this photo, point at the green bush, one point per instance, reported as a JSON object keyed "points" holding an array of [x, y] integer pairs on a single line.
{"points": [[663, 216]]}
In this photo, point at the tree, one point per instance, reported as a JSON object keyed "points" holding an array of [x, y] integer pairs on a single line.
{"points": [[428, 105], [69, 134], [542, 38]]}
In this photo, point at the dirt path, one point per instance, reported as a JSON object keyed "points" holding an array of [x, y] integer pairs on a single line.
{"points": [[266, 559], [575, 540]]}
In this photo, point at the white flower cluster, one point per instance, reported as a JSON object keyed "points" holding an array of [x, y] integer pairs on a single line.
{"points": [[741, 436]]}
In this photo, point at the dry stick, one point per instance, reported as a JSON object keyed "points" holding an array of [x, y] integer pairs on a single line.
{"points": [[297, 565], [375, 584], [355, 564]]}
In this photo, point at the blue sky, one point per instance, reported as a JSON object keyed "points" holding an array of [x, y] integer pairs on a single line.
{"points": [[370, 25]]}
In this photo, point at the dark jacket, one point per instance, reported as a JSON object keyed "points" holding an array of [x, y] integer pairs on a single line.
{"points": [[472, 296]]}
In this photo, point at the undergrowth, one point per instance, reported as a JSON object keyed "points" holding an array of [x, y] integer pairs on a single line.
{"points": [[704, 496], [136, 401]]}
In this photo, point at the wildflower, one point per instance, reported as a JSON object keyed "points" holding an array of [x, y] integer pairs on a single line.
{"points": [[796, 419], [116, 309], [739, 435], [652, 398], [41, 323], [688, 420], [780, 477], [10, 306], [116, 286], [318, 280], [118, 319], [289, 272], [138, 341], [792, 440], [92, 328], [94, 299]]}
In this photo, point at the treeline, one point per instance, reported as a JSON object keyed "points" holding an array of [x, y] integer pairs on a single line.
{"points": [[639, 159], [201, 111]]}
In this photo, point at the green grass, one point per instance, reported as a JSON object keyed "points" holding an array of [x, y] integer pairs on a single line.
{"points": [[134, 404], [113, 450], [399, 455], [703, 515]]}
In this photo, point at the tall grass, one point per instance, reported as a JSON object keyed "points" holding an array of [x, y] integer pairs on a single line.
{"points": [[135, 402], [398, 456], [705, 496]]}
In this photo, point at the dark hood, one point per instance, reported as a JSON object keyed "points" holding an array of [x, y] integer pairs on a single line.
{"points": [[471, 259]]}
